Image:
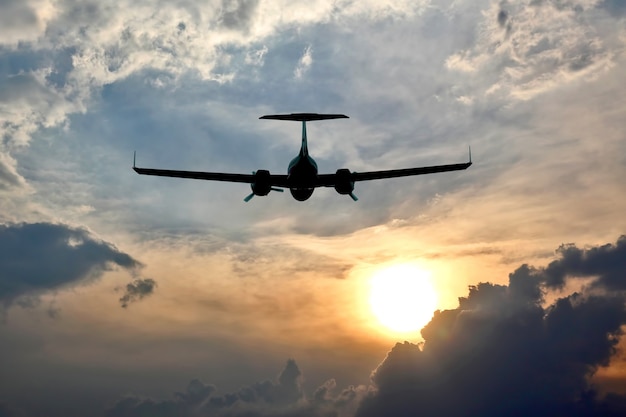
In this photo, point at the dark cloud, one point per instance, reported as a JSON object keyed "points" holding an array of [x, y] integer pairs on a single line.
{"points": [[285, 391], [137, 290], [503, 16], [607, 264], [18, 20], [616, 8], [504, 19], [283, 397], [502, 352], [237, 14], [184, 403], [133, 406], [8, 411], [40, 257]]}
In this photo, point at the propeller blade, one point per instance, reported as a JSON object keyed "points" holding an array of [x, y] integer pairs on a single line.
{"points": [[280, 190], [248, 198], [354, 197]]}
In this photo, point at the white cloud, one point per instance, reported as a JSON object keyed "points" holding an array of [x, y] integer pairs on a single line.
{"points": [[527, 48], [256, 57], [110, 43], [28, 102], [305, 62], [176, 49], [24, 20], [9, 177]]}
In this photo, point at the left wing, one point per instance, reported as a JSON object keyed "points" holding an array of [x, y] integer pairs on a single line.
{"points": [[275, 180], [212, 176]]}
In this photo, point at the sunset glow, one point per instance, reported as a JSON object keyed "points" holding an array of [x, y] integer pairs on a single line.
{"points": [[402, 297], [494, 289]]}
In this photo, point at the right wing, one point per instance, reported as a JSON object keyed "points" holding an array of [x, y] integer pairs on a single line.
{"points": [[394, 173], [330, 180]]}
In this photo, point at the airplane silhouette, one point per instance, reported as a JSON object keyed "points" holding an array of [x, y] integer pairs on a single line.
{"points": [[302, 177]]}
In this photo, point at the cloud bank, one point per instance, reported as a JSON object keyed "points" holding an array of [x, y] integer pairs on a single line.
{"points": [[502, 351], [40, 257], [282, 397]]}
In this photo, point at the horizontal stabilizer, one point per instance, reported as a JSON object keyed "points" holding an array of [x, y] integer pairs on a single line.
{"points": [[304, 117]]}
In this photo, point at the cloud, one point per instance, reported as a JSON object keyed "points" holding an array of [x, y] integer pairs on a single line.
{"points": [[238, 14], [607, 264], [8, 411], [256, 57], [137, 290], [28, 102], [62, 54], [24, 20], [9, 178], [603, 266], [283, 397], [305, 62], [40, 257], [502, 352], [527, 48], [183, 43], [184, 403], [614, 7]]}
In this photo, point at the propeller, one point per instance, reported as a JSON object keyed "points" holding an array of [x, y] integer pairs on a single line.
{"points": [[249, 197], [353, 197]]}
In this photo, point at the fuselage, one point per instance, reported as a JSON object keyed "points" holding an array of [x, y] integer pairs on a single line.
{"points": [[301, 176], [302, 172]]}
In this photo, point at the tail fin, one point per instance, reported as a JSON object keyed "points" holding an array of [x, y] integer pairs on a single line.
{"points": [[304, 149]]}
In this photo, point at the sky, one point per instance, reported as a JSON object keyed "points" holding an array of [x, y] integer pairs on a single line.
{"points": [[127, 295]]}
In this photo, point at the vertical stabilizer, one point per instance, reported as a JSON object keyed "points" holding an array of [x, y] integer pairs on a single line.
{"points": [[304, 150]]}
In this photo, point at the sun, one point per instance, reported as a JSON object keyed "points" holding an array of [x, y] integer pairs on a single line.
{"points": [[402, 297]]}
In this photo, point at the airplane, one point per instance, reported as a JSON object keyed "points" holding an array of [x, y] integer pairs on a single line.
{"points": [[302, 177]]}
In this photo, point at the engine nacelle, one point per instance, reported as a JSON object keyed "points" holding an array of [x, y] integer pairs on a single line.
{"points": [[262, 183], [344, 184]]}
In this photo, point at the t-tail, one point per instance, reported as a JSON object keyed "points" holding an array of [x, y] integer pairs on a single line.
{"points": [[304, 117]]}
